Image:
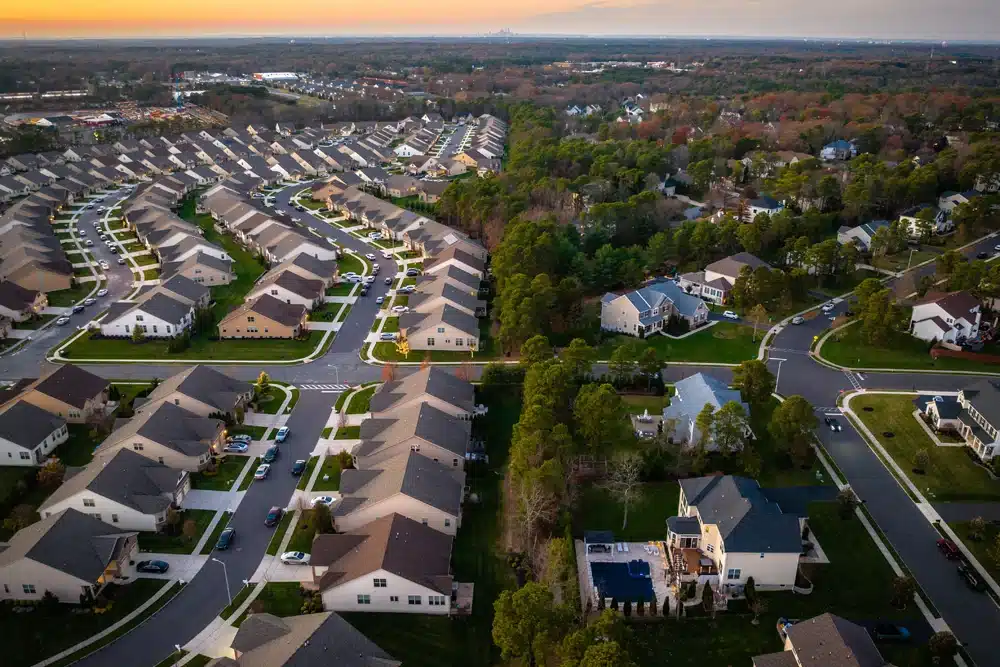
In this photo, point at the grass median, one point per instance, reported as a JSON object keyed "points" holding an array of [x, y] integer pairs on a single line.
{"points": [[307, 473], [248, 478], [209, 545], [279, 534]]}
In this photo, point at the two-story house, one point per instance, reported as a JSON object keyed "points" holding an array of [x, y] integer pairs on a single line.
{"points": [[71, 393], [951, 317], [691, 395], [29, 434], [648, 309], [716, 282], [170, 435], [980, 418]]}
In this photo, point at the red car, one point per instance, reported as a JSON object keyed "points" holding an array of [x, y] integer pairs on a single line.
{"points": [[948, 548]]}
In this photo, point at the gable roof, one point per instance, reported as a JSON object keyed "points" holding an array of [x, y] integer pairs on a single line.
{"points": [[732, 265], [27, 425], [432, 380], [289, 314], [72, 385], [264, 640], [422, 421], [393, 543], [957, 304], [169, 425], [407, 473], [204, 384], [15, 297], [830, 641]]}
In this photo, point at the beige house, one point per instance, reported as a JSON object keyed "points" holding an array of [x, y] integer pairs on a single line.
{"points": [[407, 484], [420, 428], [434, 386], [72, 393], [68, 554], [201, 390], [18, 304], [201, 268], [444, 328], [264, 317], [170, 435], [732, 523]]}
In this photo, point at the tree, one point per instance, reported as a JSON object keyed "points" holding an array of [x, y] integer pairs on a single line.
{"points": [[601, 419], [757, 315], [942, 645], [51, 474], [649, 365], [624, 360], [579, 357], [847, 501], [403, 346], [903, 590], [21, 516], [526, 623], [535, 349], [623, 481], [708, 598], [977, 529], [755, 381], [627, 609], [138, 335], [729, 426], [792, 425], [263, 381], [388, 372], [921, 460], [757, 606], [323, 519], [703, 422], [189, 530], [173, 519], [994, 551]]}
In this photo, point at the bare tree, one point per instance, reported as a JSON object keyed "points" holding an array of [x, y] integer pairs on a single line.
{"points": [[538, 507], [623, 481]]}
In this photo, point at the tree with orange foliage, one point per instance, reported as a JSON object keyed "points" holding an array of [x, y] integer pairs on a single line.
{"points": [[388, 372]]}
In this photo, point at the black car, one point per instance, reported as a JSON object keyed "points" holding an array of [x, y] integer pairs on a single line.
{"points": [[270, 455], [78, 309], [364, 290], [299, 467], [982, 255], [833, 424], [412, 272], [971, 577], [152, 566], [226, 539], [273, 516]]}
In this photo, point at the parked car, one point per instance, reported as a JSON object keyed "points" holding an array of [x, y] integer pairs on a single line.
{"points": [[387, 336], [388, 280], [273, 516], [83, 232], [386, 254], [236, 448], [104, 264], [996, 248], [408, 289], [370, 256], [295, 558], [982, 255], [89, 302], [380, 300], [364, 290], [299, 467], [102, 292], [375, 268], [827, 307], [949, 549], [971, 577], [78, 308], [262, 470], [797, 319], [730, 315], [282, 434], [321, 500], [412, 272], [270, 455], [121, 260], [89, 243], [114, 250], [62, 321], [152, 566], [226, 539], [890, 632], [400, 309], [240, 437], [833, 424]]}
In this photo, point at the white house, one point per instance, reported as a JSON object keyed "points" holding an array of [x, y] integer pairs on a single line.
{"points": [[861, 235], [951, 317], [948, 201], [763, 204], [839, 150], [157, 317], [732, 523], [392, 564], [941, 223], [126, 490], [28, 434], [691, 395], [717, 280], [980, 418]]}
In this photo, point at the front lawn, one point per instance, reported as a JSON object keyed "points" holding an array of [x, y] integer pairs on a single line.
{"points": [[305, 529], [330, 470], [281, 598], [951, 475], [270, 400], [390, 325], [342, 289], [106, 349], [348, 433], [307, 473], [163, 543], [31, 637], [68, 297], [722, 343], [226, 472], [980, 548], [36, 322], [248, 478], [361, 402], [279, 534], [214, 537], [847, 348], [348, 263], [255, 432], [144, 260]]}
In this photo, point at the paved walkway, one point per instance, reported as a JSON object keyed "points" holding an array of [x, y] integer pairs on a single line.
{"points": [[218, 501]]}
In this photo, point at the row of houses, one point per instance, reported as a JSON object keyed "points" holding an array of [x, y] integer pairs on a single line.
{"points": [[940, 221], [31, 255], [87, 534], [400, 506]]}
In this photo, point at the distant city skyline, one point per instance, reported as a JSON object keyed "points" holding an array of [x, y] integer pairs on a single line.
{"points": [[967, 20]]}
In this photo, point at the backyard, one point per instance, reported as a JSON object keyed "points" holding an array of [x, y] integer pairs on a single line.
{"points": [[281, 598], [950, 476]]}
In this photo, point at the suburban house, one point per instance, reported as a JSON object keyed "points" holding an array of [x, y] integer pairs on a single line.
{"points": [[264, 317], [732, 522], [861, 236], [823, 641], [407, 484], [163, 311], [980, 418], [943, 412], [265, 640], [19, 304], [763, 204], [290, 287], [839, 150], [393, 564], [690, 397], [941, 223], [71, 393], [648, 309], [170, 435], [126, 490], [438, 291], [28, 434], [950, 200], [71, 555], [951, 317], [434, 386], [201, 268], [444, 328], [716, 282], [201, 390], [420, 428]]}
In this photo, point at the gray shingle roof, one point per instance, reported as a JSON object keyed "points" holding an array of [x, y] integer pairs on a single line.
{"points": [[72, 385], [408, 473], [27, 425], [422, 421], [985, 398], [830, 641], [434, 381]]}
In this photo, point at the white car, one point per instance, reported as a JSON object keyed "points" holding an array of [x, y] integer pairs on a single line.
{"points": [[386, 254], [827, 307], [104, 264], [375, 236], [121, 260], [349, 275], [262, 470], [295, 558], [730, 315], [321, 500], [62, 321], [797, 319], [88, 243], [83, 232], [996, 248], [102, 292], [380, 300], [370, 256], [400, 309]]}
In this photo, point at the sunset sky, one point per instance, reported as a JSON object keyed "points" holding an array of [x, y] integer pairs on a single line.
{"points": [[897, 19]]}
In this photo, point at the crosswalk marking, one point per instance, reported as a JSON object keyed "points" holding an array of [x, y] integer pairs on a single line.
{"points": [[855, 382], [323, 387]]}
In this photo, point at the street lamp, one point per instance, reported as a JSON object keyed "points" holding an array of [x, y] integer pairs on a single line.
{"points": [[336, 369], [777, 377], [225, 573]]}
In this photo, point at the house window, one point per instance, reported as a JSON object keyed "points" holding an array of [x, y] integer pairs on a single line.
{"points": [[459, 342], [138, 318], [710, 548], [88, 502], [114, 518], [154, 328], [430, 342], [423, 521], [447, 523], [97, 515], [29, 589], [393, 598], [380, 583], [454, 463], [413, 599], [137, 446], [435, 600], [364, 599], [25, 456], [250, 318], [733, 573], [440, 329]]}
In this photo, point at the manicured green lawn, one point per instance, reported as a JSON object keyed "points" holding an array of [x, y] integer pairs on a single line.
{"points": [[302, 536], [255, 432], [214, 537], [307, 473], [36, 322], [281, 598], [343, 289], [344, 311], [348, 433], [327, 432], [951, 475], [847, 348], [78, 450], [597, 510], [177, 544], [980, 548], [68, 297], [89, 347], [348, 263], [636, 405], [390, 325], [237, 601], [331, 469], [325, 312], [270, 400], [723, 343], [279, 533], [248, 479], [29, 638], [144, 260], [150, 274], [361, 401], [227, 470]]}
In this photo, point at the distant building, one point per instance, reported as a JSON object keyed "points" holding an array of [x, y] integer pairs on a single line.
{"points": [[716, 282], [861, 235]]}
